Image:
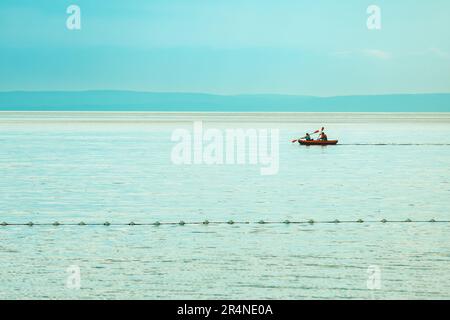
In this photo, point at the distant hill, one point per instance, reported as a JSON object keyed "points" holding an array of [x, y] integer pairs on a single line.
{"points": [[152, 101]]}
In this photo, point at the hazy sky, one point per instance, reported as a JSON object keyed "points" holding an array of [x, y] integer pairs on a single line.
{"points": [[320, 47]]}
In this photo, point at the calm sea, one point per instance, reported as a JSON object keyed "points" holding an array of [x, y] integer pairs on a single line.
{"points": [[116, 167]]}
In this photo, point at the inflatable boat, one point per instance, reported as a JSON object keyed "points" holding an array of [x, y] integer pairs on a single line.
{"points": [[317, 142]]}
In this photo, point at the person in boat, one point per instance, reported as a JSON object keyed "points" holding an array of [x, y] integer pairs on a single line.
{"points": [[308, 137], [323, 136]]}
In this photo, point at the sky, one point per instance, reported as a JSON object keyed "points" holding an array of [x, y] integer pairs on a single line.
{"points": [[301, 47]]}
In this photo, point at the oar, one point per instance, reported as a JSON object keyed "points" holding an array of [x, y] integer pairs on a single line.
{"points": [[317, 131]]}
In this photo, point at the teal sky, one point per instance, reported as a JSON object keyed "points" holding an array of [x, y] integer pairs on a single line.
{"points": [[320, 47]]}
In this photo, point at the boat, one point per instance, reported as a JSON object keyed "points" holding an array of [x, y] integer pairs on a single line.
{"points": [[317, 142]]}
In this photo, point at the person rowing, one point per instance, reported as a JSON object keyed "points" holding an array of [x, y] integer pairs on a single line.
{"points": [[323, 137], [307, 137]]}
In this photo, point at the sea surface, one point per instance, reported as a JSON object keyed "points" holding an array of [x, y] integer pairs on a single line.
{"points": [[116, 167]]}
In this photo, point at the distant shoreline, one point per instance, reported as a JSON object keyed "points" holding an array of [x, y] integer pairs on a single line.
{"points": [[119, 101]]}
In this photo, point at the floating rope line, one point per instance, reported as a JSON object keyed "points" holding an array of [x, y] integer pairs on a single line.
{"points": [[230, 222]]}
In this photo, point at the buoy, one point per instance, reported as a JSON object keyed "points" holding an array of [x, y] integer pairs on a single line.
{"points": [[261, 222], [157, 223], [360, 221], [408, 220], [311, 221], [205, 222], [132, 223], [230, 222], [82, 223], [432, 220], [287, 221], [30, 224], [106, 223], [384, 220], [56, 223], [182, 223], [336, 221]]}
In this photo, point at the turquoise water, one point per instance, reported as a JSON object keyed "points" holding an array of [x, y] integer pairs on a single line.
{"points": [[117, 168]]}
